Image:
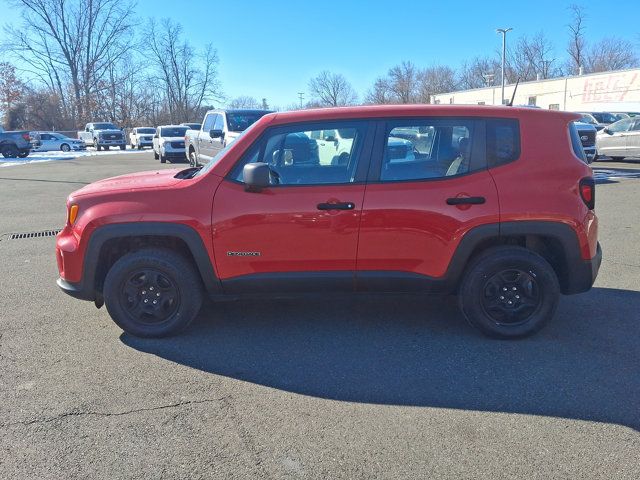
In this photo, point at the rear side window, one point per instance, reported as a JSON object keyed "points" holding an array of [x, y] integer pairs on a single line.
{"points": [[428, 148], [576, 144], [503, 141]]}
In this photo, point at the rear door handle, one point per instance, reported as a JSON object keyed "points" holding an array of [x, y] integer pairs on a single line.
{"points": [[466, 201], [336, 206]]}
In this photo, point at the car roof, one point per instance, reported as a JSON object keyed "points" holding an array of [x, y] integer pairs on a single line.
{"points": [[239, 110], [382, 111]]}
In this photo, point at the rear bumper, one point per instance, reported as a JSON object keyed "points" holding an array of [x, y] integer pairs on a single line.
{"points": [[583, 275]]}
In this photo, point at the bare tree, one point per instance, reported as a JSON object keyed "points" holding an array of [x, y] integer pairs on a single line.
{"points": [[611, 54], [331, 90], [530, 58], [72, 43], [380, 93], [12, 89], [403, 82], [480, 72], [244, 102], [188, 78], [577, 44], [434, 80]]}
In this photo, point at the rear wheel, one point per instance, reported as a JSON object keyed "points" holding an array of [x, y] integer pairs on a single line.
{"points": [[9, 151], [509, 292], [152, 293]]}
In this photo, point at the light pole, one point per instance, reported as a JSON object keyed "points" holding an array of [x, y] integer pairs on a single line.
{"points": [[503, 31], [301, 95]]}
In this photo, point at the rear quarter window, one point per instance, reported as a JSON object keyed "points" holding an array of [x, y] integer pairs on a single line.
{"points": [[576, 144], [503, 141]]}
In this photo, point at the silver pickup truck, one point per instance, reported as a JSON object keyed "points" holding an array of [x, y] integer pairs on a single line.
{"points": [[103, 135], [15, 144], [219, 129]]}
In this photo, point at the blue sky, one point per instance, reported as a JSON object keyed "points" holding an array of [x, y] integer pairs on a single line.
{"points": [[271, 48]]}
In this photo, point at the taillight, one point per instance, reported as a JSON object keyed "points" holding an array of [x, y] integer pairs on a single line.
{"points": [[588, 192]]}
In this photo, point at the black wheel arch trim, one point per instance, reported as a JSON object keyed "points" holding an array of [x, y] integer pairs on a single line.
{"points": [[86, 288]]}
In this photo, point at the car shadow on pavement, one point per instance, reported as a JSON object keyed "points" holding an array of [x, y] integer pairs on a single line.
{"points": [[402, 350]]}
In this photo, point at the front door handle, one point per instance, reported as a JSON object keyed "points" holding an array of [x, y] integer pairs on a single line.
{"points": [[466, 201], [336, 206]]}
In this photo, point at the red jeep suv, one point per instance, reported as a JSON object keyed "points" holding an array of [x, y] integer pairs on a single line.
{"points": [[494, 204]]}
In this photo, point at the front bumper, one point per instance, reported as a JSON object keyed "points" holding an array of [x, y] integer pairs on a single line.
{"points": [[590, 153], [109, 143]]}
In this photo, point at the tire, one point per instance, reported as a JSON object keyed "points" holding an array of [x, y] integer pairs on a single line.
{"points": [[163, 158], [9, 151], [98, 147], [617, 159], [24, 154], [193, 160], [155, 155], [139, 147], [509, 292], [65, 147], [152, 275], [123, 147]]}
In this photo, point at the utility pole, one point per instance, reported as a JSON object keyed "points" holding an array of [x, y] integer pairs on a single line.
{"points": [[301, 95], [503, 31]]}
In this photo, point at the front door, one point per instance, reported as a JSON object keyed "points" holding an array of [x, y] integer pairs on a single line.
{"points": [[633, 139], [205, 142], [612, 141], [422, 200], [301, 233]]}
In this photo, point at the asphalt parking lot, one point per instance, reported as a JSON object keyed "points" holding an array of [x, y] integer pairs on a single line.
{"points": [[368, 387]]}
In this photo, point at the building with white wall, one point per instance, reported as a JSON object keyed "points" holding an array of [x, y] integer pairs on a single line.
{"points": [[615, 91]]}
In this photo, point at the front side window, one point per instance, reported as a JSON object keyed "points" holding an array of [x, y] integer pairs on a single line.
{"points": [[208, 122], [307, 156], [219, 123], [240, 121], [433, 148], [620, 126]]}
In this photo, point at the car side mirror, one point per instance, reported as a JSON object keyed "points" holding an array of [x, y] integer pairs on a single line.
{"points": [[256, 176], [329, 138], [607, 131], [215, 133]]}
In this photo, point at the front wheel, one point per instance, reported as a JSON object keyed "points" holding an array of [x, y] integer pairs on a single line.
{"points": [[193, 160], [152, 293], [123, 147], [24, 154], [98, 147], [509, 292], [617, 159], [65, 148], [163, 158]]}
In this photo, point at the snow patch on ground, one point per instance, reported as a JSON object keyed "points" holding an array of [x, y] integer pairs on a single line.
{"points": [[39, 157]]}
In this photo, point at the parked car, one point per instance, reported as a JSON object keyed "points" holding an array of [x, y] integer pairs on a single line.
{"points": [[587, 133], [103, 135], [192, 126], [219, 129], [56, 142], [602, 119], [591, 120], [620, 139], [621, 115], [15, 143], [141, 137], [508, 225], [168, 143]]}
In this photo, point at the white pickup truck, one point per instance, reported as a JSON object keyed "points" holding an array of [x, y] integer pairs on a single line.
{"points": [[219, 129], [103, 135], [141, 137]]}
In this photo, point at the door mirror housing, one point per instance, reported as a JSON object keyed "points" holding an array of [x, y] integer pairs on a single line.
{"points": [[607, 131], [216, 133], [256, 176]]}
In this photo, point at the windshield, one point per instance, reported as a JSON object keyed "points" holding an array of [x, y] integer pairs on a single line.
{"points": [[604, 117], [221, 154], [240, 121], [173, 131], [147, 130], [588, 119], [104, 126], [193, 126]]}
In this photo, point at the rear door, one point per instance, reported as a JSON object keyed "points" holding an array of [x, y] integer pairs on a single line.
{"points": [[301, 233], [429, 185]]}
